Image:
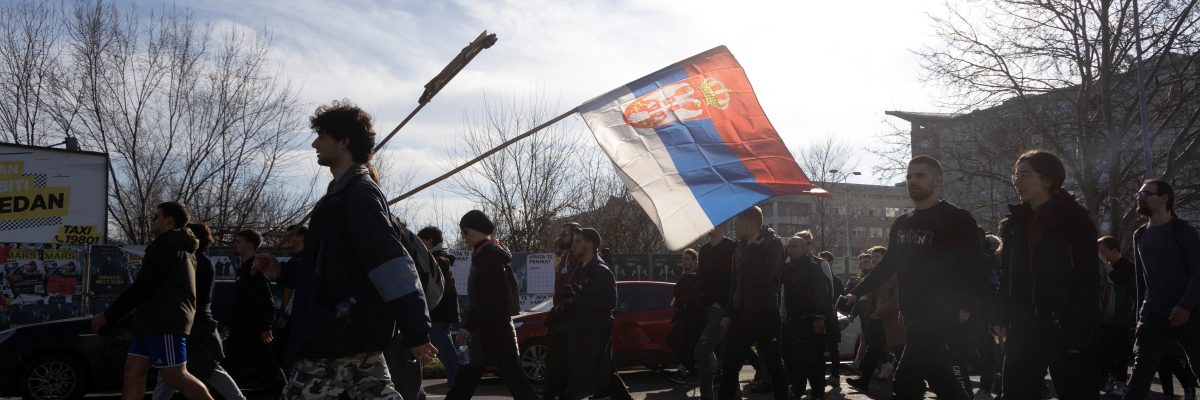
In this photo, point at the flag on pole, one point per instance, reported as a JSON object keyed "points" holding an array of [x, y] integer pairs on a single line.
{"points": [[693, 145]]}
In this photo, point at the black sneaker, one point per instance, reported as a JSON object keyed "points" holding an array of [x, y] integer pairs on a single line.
{"points": [[862, 384]]}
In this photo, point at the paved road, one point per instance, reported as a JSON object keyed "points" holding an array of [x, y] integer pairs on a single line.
{"points": [[647, 385]]}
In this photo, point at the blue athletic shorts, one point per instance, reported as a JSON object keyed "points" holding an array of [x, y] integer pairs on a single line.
{"points": [[163, 350]]}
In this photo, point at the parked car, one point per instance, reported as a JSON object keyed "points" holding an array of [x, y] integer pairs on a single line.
{"points": [[641, 323]]}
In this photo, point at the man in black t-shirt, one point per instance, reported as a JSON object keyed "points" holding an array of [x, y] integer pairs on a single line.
{"points": [[935, 251]]}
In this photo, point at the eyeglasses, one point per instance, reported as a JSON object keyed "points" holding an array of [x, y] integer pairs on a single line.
{"points": [[1145, 193], [1023, 176]]}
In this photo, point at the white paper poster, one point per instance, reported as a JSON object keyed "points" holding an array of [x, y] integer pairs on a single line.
{"points": [[461, 270], [539, 274]]}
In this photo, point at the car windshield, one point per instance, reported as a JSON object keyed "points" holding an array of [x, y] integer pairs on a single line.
{"points": [[543, 306]]}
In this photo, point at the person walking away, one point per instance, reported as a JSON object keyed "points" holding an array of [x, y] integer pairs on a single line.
{"points": [[1118, 307], [163, 301], [487, 329], [1167, 258]]}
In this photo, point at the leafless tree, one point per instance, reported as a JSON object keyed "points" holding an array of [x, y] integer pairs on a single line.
{"points": [[1061, 75], [184, 113], [820, 159]]}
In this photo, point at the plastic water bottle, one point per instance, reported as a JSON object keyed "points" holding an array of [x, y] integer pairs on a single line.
{"points": [[464, 354], [343, 309]]}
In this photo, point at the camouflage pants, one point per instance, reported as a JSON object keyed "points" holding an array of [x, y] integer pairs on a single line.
{"points": [[361, 376]]}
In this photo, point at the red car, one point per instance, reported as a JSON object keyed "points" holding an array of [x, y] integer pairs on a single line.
{"points": [[641, 322]]}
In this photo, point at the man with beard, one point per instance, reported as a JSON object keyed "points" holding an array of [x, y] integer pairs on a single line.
{"points": [[752, 315], [586, 309], [936, 252], [556, 338], [1167, 255]]}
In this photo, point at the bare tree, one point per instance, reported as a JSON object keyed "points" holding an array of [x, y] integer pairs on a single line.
{"points": [[1060, 75], [185, 113], [29, 55], [526, 187], [820, 159]]}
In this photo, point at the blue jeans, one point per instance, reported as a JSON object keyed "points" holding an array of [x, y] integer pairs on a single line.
{"points": [[440, 336]]}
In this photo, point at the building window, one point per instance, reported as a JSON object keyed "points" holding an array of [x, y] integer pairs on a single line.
{"points": [[892, 212], [859, 231], [876, 232]]}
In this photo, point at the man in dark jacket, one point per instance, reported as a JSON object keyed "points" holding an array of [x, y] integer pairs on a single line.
{"points": [[935, 251], [164, 296], [587, 311], [357, 284], [445, 315], [1168, 258], [811, 323], [250, 336], [487, 328], [752, 315], [688, 320]]}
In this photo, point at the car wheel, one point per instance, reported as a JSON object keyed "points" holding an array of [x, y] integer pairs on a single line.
{"points": [[53, 377], [533, 361]]}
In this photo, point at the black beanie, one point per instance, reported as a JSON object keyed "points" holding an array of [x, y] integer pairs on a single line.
{"points": [[478, 221], [592, 236]]}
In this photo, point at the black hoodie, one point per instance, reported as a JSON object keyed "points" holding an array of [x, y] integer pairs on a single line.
{"points": [[164, 292]]}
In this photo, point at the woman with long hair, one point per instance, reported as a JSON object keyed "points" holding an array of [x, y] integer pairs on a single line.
{"points": [[1048, 303]]}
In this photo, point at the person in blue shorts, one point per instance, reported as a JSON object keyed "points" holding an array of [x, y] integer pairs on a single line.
{"points": [[163, 301]]}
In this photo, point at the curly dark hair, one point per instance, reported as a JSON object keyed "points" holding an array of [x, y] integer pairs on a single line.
{"points": [[341, 119]]}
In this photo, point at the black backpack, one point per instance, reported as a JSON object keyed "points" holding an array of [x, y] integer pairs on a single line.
{"points": [[432, 280]]}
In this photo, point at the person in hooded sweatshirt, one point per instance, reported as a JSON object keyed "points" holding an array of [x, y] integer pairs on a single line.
{"points": [[163, 301], [1047, 305], [487, 327]]}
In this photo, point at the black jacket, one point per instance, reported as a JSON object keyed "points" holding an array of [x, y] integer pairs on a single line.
{"points": [[1049, 267], [757, 270], [446, 310], [489, 295], [589, 326], [806, 295], [205, 282], [253, 302], [351, 250], [164, 292]]}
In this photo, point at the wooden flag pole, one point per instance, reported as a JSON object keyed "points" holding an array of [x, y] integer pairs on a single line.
{"points": [[483, 41], [479, 158]]}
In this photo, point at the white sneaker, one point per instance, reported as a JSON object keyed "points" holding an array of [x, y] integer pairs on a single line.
{"points": [[982, 395], [1119, 389]]}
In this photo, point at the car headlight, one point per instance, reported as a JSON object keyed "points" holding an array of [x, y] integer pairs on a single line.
{"points": [[4, 335], [516, 325]]}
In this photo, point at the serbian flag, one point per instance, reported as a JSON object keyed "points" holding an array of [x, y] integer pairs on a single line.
{"points": [[693, 145]]}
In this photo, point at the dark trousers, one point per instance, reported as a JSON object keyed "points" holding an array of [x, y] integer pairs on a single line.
{"points": [[763, 329], [927, 358], [1032, 347], [835, 361], [555, 384], [1114, 347], [504, 357], [1153, 340], [1175, 365], [804, 356], [877, 348], [405, 371], [251, 361]]}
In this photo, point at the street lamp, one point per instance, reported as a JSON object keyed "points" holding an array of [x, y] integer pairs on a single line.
{"points": [[849, 197]]}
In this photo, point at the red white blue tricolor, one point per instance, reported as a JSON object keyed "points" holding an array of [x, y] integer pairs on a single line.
{"points": [[693, 146]]}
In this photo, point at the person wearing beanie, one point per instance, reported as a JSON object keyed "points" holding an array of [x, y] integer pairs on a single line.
{"points": [[487, 327]]}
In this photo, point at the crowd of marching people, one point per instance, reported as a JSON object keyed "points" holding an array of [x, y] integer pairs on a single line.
{"points": [[366, 302]]}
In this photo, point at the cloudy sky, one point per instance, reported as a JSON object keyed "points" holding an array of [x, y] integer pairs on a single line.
{"points": [[819, 68]]}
